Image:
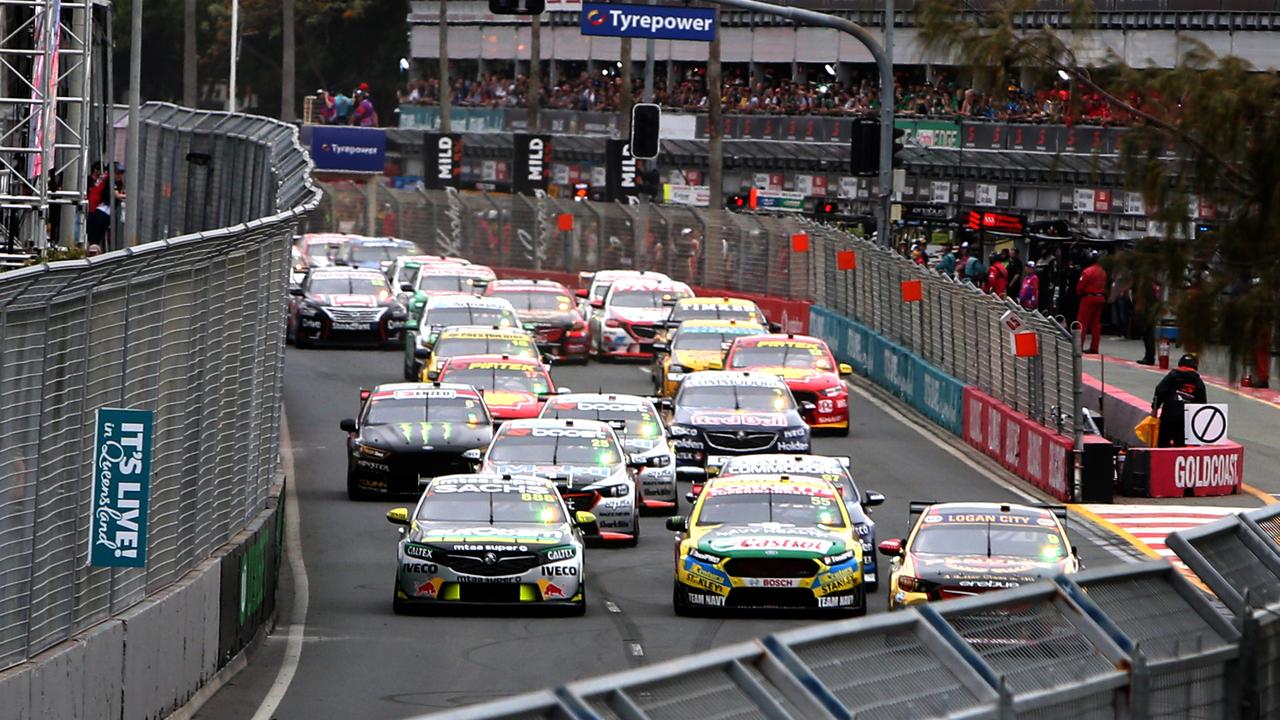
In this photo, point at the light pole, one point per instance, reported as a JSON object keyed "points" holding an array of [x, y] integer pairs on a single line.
{"points": [[816, 19], [235, 31]]}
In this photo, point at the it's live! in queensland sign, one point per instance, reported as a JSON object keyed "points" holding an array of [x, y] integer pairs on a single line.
{"points": [[121, 488], [648, 21]]}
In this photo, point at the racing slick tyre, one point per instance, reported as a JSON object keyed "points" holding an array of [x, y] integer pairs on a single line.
{"points": [[680, 601], [841, 432], [635, 524], [300, 341], [400, 607], [581, 608], [353, 488]]}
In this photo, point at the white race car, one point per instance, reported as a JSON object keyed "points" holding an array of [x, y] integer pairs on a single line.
{"points": [[627, 320]]}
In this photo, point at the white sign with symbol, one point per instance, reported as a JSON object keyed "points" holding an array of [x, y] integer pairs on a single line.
{"points": [[1012, 321], [1206, 424]]}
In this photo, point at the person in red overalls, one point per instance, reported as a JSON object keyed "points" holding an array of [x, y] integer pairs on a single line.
{"points": [[1092, 291], [997, 276]]}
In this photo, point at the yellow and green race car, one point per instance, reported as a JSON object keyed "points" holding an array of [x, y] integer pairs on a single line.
{"points": [[757, 542], [467, 340], [696, 345]]}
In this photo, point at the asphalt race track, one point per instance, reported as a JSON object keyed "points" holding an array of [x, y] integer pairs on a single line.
{"points": [[359, 660]]}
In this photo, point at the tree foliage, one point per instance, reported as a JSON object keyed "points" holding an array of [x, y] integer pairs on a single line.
{"points": [[1221, 114], [340, 44]]}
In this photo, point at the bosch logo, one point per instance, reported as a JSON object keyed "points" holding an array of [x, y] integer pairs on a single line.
{"points": [[595, 17]]}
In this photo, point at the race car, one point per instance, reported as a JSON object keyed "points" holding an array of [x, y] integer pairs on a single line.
{"points": [[408, 431], [807, 366], [593, 286], [958, 549], [722, 413], [585, 461], [447, 311], [405, 265], [443, 279], [513, 388], [344, 305], [767, 542], [820, 467], [318, 249], [454, 341], [549, 313], [639, 428], [695, 345], [373, 252], [626, 320], [718, 308], [491, 540]]}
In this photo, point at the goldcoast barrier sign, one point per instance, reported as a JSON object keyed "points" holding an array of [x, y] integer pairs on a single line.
{"points": [[121, 488]]}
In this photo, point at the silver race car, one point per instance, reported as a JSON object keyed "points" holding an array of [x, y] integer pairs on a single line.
{"points": [[639, 427], [585, 461], [490, 540]]}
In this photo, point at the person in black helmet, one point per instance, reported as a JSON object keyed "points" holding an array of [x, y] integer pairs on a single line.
{"points": [[1181, 386]]}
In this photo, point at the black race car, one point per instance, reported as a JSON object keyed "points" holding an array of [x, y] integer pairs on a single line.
{"points": [[342, 305], [721, 413], [408, 433], [547, 310]]}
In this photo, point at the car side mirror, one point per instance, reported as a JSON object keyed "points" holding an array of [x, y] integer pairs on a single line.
{"points": [[348, 425], [296, 291], [406, 287], [891, 547], [775, 327], [871, 498], [713, 365], [474, 455], [564, 391], [657, 461], [421, 353], [339, 261], [846, 369], [581, 293], [548, 359], [586, 522], [597, 304], [398, 516], [807, 406], [678, 523], [636, 461], [661, 347], [433, 375]]}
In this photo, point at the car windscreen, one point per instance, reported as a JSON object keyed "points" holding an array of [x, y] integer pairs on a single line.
{"points": [[455, 346], [628, 421], [397, 410], [637, 298], [701, 341], [522, 380], [320, 249], [1039, 543], [527, 445], [797, 509], [735, 397], [378, 253], [348, 285], [454, 316], [482, 507], [535, 300], [807, 357], [719, 312]]}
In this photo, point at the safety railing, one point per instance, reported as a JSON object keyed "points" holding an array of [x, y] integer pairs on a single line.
{"points": [[954, 326], [1126, 642], [189, 327]]}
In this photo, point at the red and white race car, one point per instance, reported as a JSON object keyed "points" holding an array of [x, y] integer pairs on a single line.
{"points": [[806, 365], [512, 387], [626, 321]]}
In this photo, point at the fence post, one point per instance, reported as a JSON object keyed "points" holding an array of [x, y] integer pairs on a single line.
{"points": [[1077, 397], [1139, 685]]}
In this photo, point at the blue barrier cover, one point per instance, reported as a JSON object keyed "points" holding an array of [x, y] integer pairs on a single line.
{"points": [[922, 386]]}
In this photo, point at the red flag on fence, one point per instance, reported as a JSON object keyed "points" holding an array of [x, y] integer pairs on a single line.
{"points": [[800, 243], [564, 222], [846, 260], [912, 291]]}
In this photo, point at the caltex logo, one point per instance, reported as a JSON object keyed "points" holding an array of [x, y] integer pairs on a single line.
{"points": [[595, 17]]}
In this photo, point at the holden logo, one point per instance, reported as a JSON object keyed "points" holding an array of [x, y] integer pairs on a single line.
{"points": [[490, 558], [742, 434]]}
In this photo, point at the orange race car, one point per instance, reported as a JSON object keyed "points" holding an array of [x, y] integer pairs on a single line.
{"points": [[806, 365]]}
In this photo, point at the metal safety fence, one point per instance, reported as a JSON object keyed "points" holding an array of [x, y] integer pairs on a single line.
{"points": [[1132, 642], [955, 327], [189, 327]]}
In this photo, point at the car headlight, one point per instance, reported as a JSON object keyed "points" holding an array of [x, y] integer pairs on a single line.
{"points": [[615, 490], [659, 461], [308, 310], [843, 557], [834, 391], [373, 452]]}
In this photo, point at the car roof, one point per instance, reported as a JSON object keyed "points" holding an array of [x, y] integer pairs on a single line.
{"points": [[532, 285], [475, 478], [785, 460], [714, 301], [989, 508], [766, 482], [620, 398], [718, 325], [345, 271], [507, 359], [742, 378], [486, 331], [453, 301], [452, 268], [783, 338], [662, 284], [558, 423], [392, 389]]}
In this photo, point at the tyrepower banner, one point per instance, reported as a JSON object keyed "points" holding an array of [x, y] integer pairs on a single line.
{"points": [[531, 163], [648, 21], [442, 160], [121, 488], [348, 149]]}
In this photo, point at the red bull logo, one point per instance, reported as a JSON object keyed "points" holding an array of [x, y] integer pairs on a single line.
{"points": [[552, 590], [428, 588]]}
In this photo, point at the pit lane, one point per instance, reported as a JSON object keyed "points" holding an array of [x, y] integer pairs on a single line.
{"points": [[361, 660]]}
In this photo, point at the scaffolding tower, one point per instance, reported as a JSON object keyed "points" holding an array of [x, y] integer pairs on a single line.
{"points": [[46, 110]]}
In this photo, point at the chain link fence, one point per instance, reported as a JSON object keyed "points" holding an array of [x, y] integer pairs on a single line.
{"points": [[955, 327], [1127, 642], [189, 327]]}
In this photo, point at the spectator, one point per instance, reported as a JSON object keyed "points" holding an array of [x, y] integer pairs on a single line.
{"points": [[1092, 291], [974, 272], [1180, 386], [1013, 265], [97, 219], [1029, 289], [997, 276], [364, 115], [947, 265]]}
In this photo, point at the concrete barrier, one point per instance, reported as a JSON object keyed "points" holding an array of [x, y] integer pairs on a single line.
{"points": [[151, 659], [937, 395]]}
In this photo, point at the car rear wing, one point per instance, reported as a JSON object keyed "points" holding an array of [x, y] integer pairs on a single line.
{"points": [[917, 507]]}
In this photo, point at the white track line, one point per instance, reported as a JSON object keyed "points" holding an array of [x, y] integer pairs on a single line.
{"points": [[964, 458], [301, 586]]}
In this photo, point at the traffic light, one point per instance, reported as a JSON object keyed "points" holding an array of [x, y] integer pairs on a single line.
{"points": [[646, 121], [737, 201], [824, 209], [864, 144], [898, 145], [517, 7]]}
